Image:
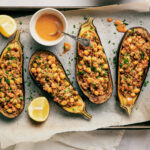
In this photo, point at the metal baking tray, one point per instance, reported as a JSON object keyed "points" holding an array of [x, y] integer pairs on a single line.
{"points": [[21, 12]]}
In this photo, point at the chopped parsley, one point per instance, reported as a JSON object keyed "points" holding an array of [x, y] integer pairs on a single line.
{"points": [[85, 18], [124, 22], [142, 55], [93, 68], [91, 28], [145, 83], [132, 31], [20, 22], [12, 58], [68, 72], [72, 32], [80, 72], [7, 80], [121, 64], [8, 49], [74, 26], [21, 98], [126, 61], [29, 83], [109, 42], [114, 60], [38, 57]]}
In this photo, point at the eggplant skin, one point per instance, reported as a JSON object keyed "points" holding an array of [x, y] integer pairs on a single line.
{"points": [[15, 43], [79, 109], [108, 93], [120, 97]]}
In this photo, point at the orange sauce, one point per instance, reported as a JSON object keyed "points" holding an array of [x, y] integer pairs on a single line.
{"points": [[109, 19], [67, 47], [46, 26], [120, 26]]}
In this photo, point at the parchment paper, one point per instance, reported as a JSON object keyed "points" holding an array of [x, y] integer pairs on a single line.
{"points": [[22, 129]]}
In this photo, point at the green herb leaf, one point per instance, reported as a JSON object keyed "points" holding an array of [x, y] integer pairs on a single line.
{"points": [[85, 18], [21, 98], [38, 57], [93, 68], [142, 55], [132, 31], [121, 64], [7, 80], [20, 22], [124, 22], [145, 83]]}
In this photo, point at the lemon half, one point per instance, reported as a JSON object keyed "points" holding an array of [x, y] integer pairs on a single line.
{"points": [[38, 109], [8, 26]]}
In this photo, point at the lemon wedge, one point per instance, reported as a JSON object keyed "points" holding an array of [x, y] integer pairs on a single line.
{"points": [[38, 109], [8, 26]]}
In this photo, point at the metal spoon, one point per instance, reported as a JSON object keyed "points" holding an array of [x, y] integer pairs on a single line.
{"points": [[83, 41]]}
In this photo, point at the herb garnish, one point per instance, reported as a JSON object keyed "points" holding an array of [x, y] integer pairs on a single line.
{"points": [[38, 57], [20, 22], [7, 80], [124, 22], [142, 55], [93, 68], [145, 83], [132, 31]]}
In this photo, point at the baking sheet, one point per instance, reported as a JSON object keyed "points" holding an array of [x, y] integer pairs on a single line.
{"points": [[108, 114]]}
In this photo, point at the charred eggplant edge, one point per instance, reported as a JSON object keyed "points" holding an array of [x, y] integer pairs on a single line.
{"points": [[84, 113], [128, 109], [100, 99], [16, 39]]}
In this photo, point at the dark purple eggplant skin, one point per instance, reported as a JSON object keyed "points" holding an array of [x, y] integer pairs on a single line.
{"points": [[13, 116], [117, 63], [110, 76]]}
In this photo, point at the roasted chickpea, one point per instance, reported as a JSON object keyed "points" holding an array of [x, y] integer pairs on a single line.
{"points": [[35, 65], [9, 111], [39, 70], [18, 106], [86, 52], [62, 76], [96, 93], [53, 66], [105, 66], [33, 70], [63, 103]]}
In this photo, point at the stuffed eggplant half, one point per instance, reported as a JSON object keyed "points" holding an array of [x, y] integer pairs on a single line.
{"points": [[47, 71], [11, 79], [133, 64], [92, 69]]}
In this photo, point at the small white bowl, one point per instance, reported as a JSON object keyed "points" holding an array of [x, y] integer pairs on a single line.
{"points": [[33, 21]]}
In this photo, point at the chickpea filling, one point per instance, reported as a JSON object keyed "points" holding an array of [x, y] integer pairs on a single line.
{"points": [[11, 88], [92, 68], [49, 73], [133, 63]]}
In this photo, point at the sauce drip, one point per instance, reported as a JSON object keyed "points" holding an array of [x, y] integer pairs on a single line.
{"points": [[46, 25], [120, 26]]}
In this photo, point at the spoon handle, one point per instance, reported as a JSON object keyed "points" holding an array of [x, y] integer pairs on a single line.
{"points": [[72, 36], [82, 41]]}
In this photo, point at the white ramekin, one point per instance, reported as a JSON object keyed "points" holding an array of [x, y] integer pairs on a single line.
{"points": [[34, 20]]}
